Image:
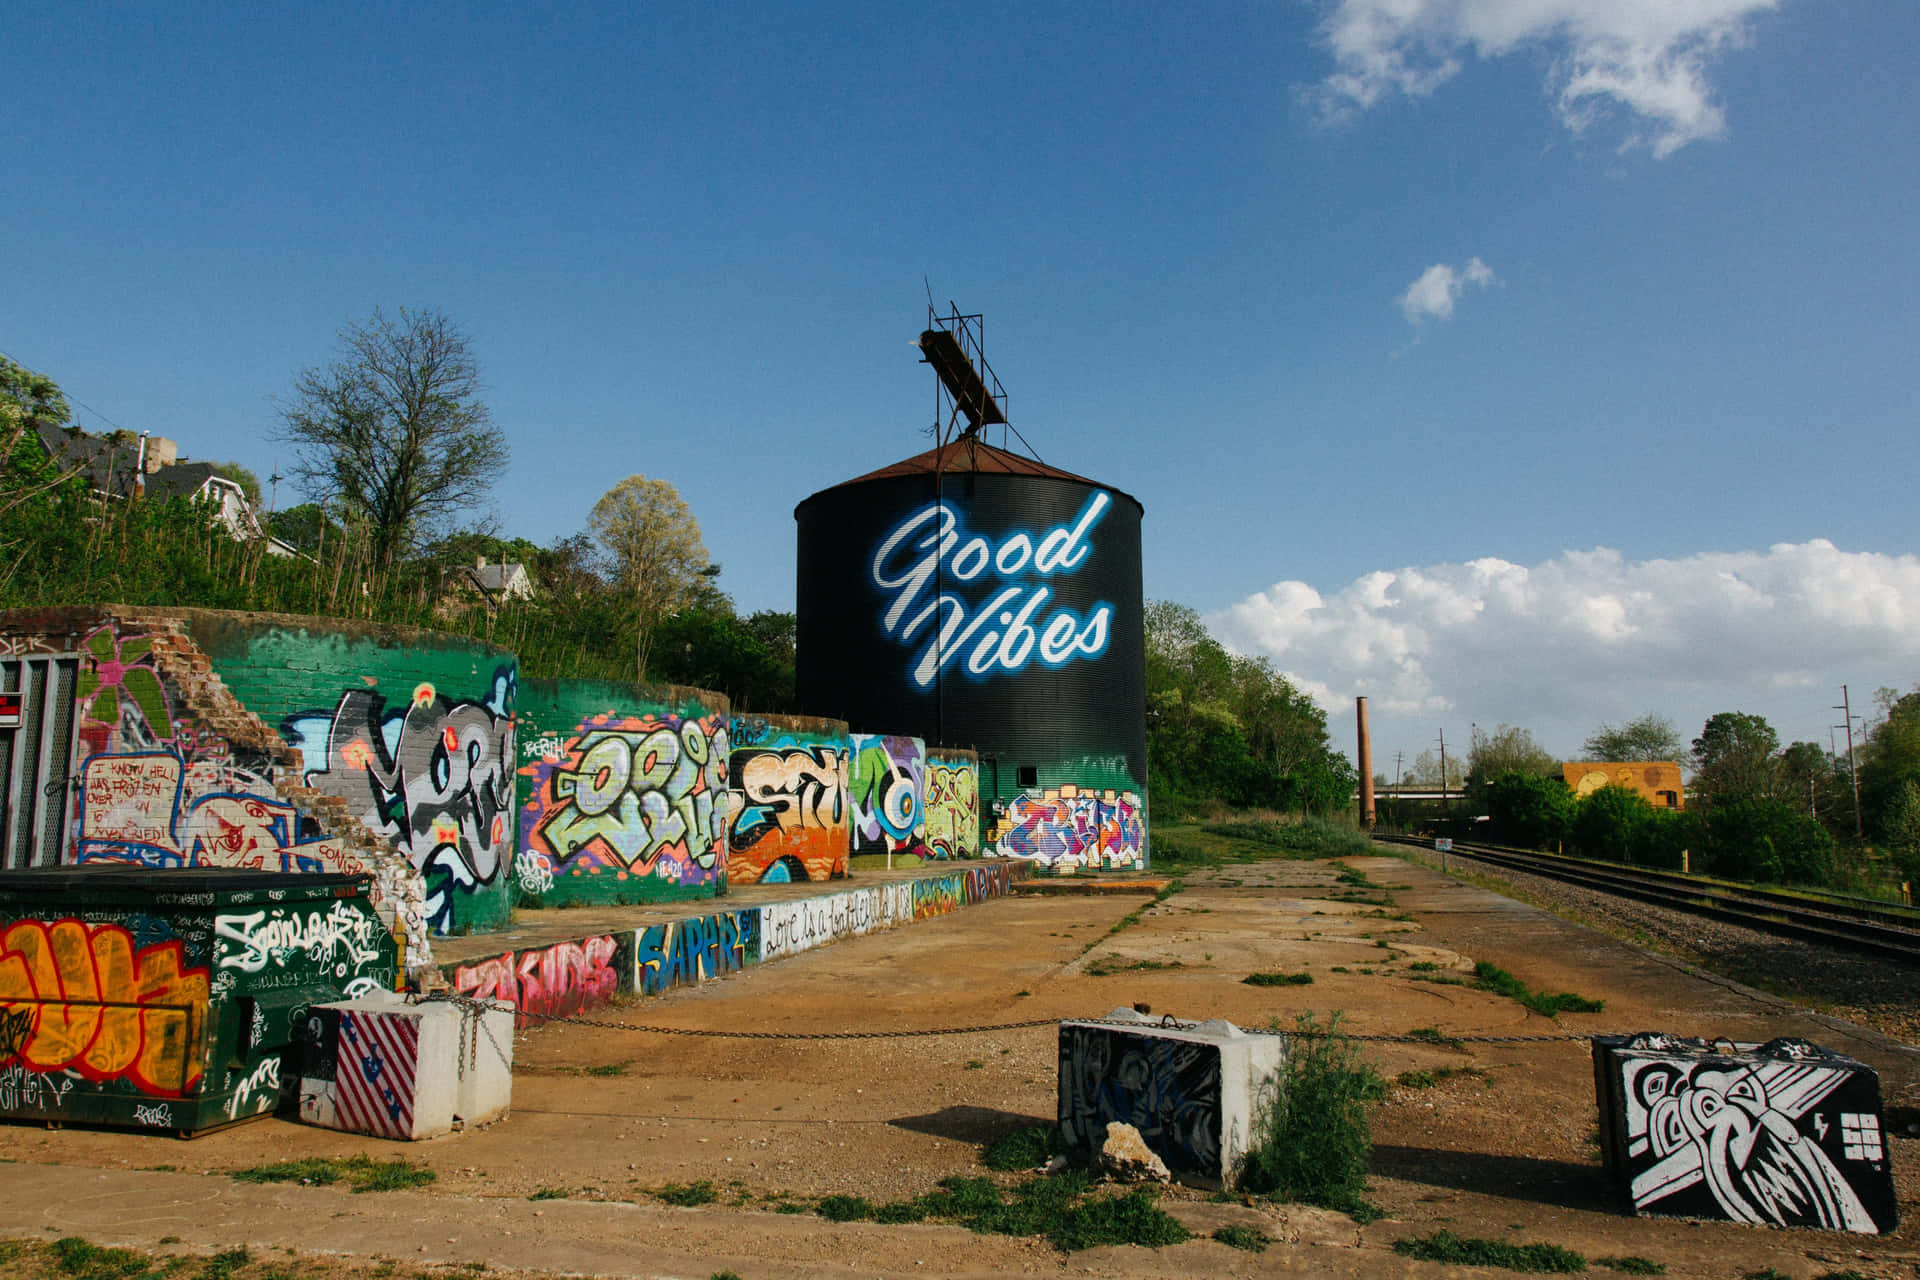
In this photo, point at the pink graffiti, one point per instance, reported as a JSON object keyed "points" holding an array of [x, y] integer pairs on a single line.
{"points": [[545, 982]]}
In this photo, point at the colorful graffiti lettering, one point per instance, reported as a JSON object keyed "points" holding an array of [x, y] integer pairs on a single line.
{"points": [[953, 809], [789, 814], [434, 778], [804, 923], [545, 982], [101, 1007], [938, 895], [694, 950], [633, 796], [1069, 828], [982, 883], [910, 559], [341, 938], [885, 781]]}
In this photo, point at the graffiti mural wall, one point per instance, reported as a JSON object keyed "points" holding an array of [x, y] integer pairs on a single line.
{"points": [[694, 950], [623, 792], [170, 770], [952, 803], [886, 780], [1067, 829], [791, 815]]}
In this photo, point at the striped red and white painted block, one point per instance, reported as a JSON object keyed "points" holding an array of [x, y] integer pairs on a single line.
{"points": [[378, 1073]]}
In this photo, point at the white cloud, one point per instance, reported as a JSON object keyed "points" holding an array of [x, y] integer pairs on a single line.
{"points": [[1562, 646], [1646, 58], [1432, 296]]}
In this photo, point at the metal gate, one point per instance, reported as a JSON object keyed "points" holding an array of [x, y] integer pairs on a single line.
{"points": [[36, 756]]}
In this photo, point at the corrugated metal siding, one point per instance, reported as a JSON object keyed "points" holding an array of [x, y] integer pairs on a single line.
{"points": [[36, 759]]}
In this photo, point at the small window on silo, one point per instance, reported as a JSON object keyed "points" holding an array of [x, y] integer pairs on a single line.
{"points": [[1671, 799], [1029, 775]]}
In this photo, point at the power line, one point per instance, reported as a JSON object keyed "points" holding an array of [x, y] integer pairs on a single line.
{"points": [[73, 399]]}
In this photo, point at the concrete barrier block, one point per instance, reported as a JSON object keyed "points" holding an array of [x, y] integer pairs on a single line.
{"points": [[484, 1063], [1194, 1090], [381, 1067], [1784, 1133]]}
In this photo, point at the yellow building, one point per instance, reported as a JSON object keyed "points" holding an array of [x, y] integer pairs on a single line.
{"points": [[1657, 780]]}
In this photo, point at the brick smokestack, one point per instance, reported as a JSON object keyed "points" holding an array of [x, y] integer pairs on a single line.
{"points": [[1366, 764]]}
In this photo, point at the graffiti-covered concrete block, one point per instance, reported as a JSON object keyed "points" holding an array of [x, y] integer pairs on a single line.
{"points": [[1194, 1090], [1777, 1134], [382, 1067]]}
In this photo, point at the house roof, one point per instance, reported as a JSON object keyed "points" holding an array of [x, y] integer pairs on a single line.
{"points": [[110, 466], [498, 577]]}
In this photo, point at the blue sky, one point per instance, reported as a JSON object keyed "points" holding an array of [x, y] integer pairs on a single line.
{"points": [[691, 243]]}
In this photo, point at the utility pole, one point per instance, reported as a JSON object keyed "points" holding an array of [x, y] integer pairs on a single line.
{"points": [[1444, 807], [1853, 773]]}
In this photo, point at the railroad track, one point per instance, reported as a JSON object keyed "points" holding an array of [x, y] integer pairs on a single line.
{"points": [[1854, 924]]}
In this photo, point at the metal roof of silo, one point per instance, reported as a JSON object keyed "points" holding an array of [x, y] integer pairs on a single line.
{"points": [[970, 453]]}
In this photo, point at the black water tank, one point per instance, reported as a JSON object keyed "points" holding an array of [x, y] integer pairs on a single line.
{"points": [[976, 598]]}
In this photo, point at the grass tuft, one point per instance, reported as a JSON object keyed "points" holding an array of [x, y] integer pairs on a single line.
{"points": [[1469, 1251], [84, 1260], [1632, 1264]]}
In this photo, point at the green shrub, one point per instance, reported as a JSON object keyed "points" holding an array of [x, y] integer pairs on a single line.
{"points": [[687, 1195], [361, 1172], [1765, 841], [1633, 1265], [1132, 1218], [1313, 1140]]}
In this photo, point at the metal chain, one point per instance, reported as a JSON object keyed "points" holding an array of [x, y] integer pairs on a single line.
{"points": [[1030, 1023]]}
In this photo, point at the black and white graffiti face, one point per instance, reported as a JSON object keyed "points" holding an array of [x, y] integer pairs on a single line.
{"points": [[1752, 1134]]}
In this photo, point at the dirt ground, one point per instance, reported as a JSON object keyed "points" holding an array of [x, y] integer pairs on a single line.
{"points": [[602, 1115]]}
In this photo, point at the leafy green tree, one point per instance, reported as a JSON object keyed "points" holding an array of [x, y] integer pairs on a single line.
{"points": [[1610, 824], [1527, 809], [1765, 840], [1890, 756], [394, 430], [1734, 759], [1900, 828], [1425, 770], [1647, 737], [249, 483], [27, 397], [654, 546]]}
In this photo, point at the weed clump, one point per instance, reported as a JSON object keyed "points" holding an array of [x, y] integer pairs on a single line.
{"points": [[1491, 977], [687, 1195], [361, 1173], [1313, 1140], [1633, 1265], [1469, 1251], [1302, 979], [1252, 1239], [81, 1258], [845, 1208], [1022, 1149]]}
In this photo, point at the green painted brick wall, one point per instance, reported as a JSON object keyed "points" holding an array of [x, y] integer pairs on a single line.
{"points": [[622, 791]]}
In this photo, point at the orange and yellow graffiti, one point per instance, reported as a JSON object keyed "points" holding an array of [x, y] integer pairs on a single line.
{"points": [[68, 1001]]}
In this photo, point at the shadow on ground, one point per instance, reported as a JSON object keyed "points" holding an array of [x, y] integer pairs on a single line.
{"points": [[1551, 1182], [970, 1124]]}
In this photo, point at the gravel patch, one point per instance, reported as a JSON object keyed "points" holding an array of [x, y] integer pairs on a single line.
{"points": [[1873, 992]]}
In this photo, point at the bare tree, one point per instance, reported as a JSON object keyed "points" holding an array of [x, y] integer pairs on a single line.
{"points": [[394, 430], [658, 556]]}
